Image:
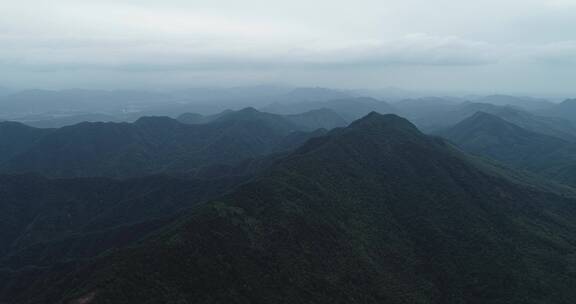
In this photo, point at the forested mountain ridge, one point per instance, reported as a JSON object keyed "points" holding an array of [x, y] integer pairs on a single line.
{"points": [[375, 212], [47, 220], [348, 108], [490, 136], [154, 145]]}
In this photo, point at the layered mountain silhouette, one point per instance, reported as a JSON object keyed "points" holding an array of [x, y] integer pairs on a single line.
{"points": [[450, 116], [310, 120], [556, 127], [157, 144], [419, 109], [527, 103], [348, 108], [59, 122], [48, 101], [192, 118], [313, 94], [373, 213], [565, 110], [493, 137]]}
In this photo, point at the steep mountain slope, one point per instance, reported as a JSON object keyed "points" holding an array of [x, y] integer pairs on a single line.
{"points": [[373, 213], [491, 136], [43, 220], [152, 145]]}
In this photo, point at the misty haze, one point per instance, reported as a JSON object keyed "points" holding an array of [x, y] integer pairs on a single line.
{"points": [[288, 152]]}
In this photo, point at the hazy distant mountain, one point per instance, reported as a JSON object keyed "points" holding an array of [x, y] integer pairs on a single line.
{"points": [[432, 114], [489, 135], [313, 94], [527, 103], [311, 120], [68, 120], [67, 101], [317, 119], [192, 118], [373, 213], [176, 109], [540, 124], [350, 109], [556, 127], [243, 95], [306, 121], [210, 101], [565, 110], [493, 137], [391, 94], [152, 145], [129, 105], [421, 108]]}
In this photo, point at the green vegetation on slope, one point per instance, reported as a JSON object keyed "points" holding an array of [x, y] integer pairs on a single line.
{"points": [[373, 213]]}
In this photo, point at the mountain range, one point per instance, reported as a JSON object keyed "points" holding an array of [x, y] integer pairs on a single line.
{"points": [[448, 115], [348, 108], [310, 120], [376, 212], [522, 102], [493, 137], [157, 144], [565, 110], [318, 196]]}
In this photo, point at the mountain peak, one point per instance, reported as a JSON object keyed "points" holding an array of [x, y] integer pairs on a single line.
{"points": [[484, 116], [484, 123], [485, 120], [248, 110], [13, 124], [388, 121]]}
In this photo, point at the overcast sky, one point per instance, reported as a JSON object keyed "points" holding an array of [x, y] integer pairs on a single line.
{"points": [[487, 46]]}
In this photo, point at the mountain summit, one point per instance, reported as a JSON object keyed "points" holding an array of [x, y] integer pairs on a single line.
{"points": [[384, 122], [490, 136]]}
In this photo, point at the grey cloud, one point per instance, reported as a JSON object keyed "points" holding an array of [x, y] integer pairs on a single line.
{"points": [[412, 43], [166, 55]]}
